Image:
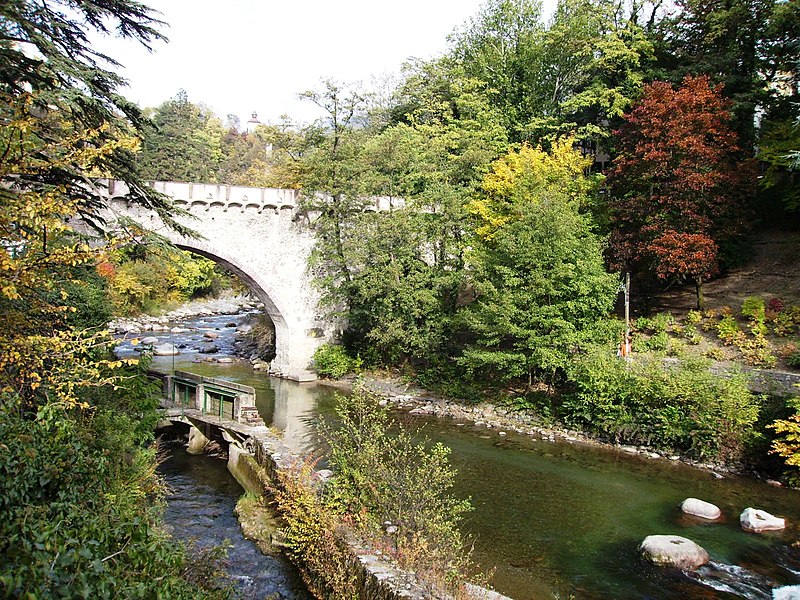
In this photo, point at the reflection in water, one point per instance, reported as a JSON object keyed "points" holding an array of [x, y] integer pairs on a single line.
{"points": [[294, 408]]}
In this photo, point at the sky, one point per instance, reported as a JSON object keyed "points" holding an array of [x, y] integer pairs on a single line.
{"points": [[241, 56]]}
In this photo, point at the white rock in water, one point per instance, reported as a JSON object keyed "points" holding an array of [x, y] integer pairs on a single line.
{"points": [[756, 521], [787, 592], [165, 350], [673, 551], [700, 508]]}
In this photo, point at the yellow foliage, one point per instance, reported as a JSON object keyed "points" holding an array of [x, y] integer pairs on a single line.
{"points": [[789, 446], [42, 360], [523, 176]]}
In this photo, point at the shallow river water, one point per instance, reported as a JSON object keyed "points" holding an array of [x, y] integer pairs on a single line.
{"points": [[560, 520]]}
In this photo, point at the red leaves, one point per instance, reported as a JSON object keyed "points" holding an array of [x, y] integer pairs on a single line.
{"points": [[678, 183], [684, 254]]}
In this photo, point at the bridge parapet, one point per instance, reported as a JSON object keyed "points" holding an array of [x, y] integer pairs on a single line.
{"points": [[208, 196]]}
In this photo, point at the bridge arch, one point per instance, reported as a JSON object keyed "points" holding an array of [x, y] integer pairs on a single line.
{"points": [[262, 289], [255, 234]]}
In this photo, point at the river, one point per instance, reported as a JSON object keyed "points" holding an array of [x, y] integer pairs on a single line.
{"points": [[560, 520]]}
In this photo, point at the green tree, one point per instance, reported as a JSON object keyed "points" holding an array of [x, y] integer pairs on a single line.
{"points": [[332, 173], [183, 143], [501, 46], [269, 156], [577, 75], [746, 45], [405, 265], [538, 270]]}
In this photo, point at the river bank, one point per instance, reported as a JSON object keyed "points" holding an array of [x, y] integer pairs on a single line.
{"points": [[414, 400]]}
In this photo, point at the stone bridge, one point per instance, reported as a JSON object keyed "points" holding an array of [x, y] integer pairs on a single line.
{"points": [[258, 234]]}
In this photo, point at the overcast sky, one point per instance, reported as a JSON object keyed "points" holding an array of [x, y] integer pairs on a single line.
{"points": [[239, 56]]}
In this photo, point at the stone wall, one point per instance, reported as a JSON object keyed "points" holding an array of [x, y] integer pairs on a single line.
{"points": [[376, 577]]}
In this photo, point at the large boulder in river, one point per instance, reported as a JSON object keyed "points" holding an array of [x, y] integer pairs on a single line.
{"points": [[700, 508], [149, 340], [209, 349], [673, 551], [756, 521], [165, 350]]}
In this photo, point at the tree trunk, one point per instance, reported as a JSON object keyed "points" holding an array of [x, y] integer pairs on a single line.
{"points": [[698, 286]]}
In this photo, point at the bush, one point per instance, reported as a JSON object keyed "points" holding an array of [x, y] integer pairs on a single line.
{"points": [[753, 308], [80, 507], [788, 445], [728, 330], [333, 361], [382, 477], [679, 407]]}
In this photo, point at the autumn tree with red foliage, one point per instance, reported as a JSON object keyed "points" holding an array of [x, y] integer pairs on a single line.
{"points": [[680, 186]]}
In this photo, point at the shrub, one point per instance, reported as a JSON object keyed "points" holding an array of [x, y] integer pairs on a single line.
{"points": [[788, 445], [311, 536], [756, 352], [793, 360], [728, 330], [775, 305], [753, 308], [782, 323], [693, 317], [681, 407], [80, 505], [332, 361], [382, 477]]}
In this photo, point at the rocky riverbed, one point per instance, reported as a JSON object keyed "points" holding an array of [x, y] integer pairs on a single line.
{"points": [[226, 305]]}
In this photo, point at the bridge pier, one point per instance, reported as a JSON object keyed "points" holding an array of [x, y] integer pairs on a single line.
{"points": [[197, 441]]}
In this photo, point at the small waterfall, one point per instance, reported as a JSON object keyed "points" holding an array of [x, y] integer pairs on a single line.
{"points": [[734, 580]]}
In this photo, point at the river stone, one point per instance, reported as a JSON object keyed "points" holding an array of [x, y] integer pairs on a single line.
{"points": [[787, 592], [322, 475], [149, 340], [700, 508], [165, 350], [209, 349], [756, 521], [673, 551], [211, 335]]}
